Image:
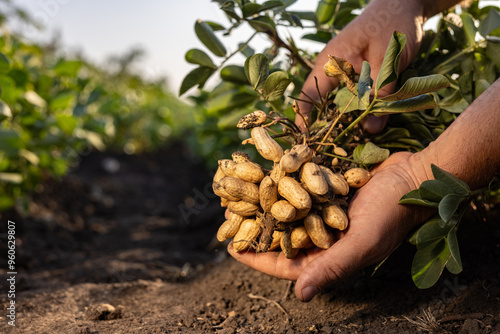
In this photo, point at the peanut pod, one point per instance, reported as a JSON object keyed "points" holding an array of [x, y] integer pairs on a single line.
{"points": [[243, 190], [268, 148], [293, 192], [300, 238], [357, 177], [249, 172], [227, 167], [276, 240], [318, 232], [230, 227], [256, 118], [243, 208], [268, 192], [334, 216], [286, 245], [335, 181], [283, 211], [298, 155], [240, 156], [222, 193], [246, 235], [314, 179]]}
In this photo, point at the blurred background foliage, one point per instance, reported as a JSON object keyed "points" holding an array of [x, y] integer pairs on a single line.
{"points": [[53, 108]]}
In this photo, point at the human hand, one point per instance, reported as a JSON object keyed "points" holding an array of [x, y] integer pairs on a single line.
{"points": [[377, 225], [366, 38]]}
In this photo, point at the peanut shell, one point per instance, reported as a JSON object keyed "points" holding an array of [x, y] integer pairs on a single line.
{"points": [[357, 177], [243, 208], [314, 179], [267, 147], [318, 232], [334, 216], [336, 181], [268, 192], [283, 211], [243, 190], [298, 155], [248, 171], [246, 235], [300, 238], [293, 192]]}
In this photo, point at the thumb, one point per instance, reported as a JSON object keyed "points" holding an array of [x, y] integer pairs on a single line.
{"points": [[343, 259]]}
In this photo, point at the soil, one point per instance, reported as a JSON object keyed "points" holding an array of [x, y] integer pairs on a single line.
{"points": [[126, 244]]}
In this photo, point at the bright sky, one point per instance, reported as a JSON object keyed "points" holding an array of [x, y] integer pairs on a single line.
{"points": [[164, 29]]}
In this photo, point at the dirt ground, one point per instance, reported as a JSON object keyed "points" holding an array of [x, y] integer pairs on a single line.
{"points": [[126, 244]]}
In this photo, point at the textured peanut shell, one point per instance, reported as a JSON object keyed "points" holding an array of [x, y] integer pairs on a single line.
{"points": [[313, 177], [224, 202], [227, 167], [256, 118], [219, 175], [340, 151], [298, 155], [230, 227], [357, 177], [268, 148], [268, 192], [249, 172], [243, 208], [283, 211], [276, 240], [300, 238], [243, 190], [302, 213], [318, 232], [293, 192], [334, 216], [335, 181], [277, 173], [222, 193], [286, 245], [240, 156], [246, 235]]}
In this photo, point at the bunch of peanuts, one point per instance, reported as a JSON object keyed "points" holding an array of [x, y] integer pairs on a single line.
{"points": [[297, 205]]}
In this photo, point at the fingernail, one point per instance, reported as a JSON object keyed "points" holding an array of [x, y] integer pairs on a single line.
{"points": [[309, 292]]}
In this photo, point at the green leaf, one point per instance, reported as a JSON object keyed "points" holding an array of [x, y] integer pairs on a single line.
{"points": [[428, 264], [449, 205], [63, 101], [414, 198], [365, 83], [343, 98], [215, 26], [229, 121], [15, 178], [469, 28], [457, 185], [207, 36], [250, 8], [453, 103], [68, 68], [319, 36], [234, 73], [454, 264], [490, 22], [480, 86], [10, 141], [66, 123], [229, 100], [262, 24], [434, 190], [466, 86], [420, 102], [196, 56], [325, 10], [417, 86], [5, 63], [275, 85], [390, 65], [198, 76], [391, 135], [370, 153], [430, 232], [257, 70]]}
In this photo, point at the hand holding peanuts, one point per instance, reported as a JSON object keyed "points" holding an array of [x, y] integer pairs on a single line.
{"points": [[374, 216]]}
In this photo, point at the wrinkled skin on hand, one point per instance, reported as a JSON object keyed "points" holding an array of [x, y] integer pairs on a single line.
{"points": [[377, 225]]}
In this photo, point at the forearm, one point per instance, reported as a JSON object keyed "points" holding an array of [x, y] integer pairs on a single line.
{"points": [[470, 147]]}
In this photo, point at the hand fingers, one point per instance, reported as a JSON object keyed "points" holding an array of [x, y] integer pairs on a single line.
{"points": [[275, 263], [338, 262], [373, 124]]}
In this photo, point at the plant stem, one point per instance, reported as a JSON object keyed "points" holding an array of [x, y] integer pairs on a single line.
{"points": [[338, 156], [357, 120], [244, 45], [335, 123]]}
